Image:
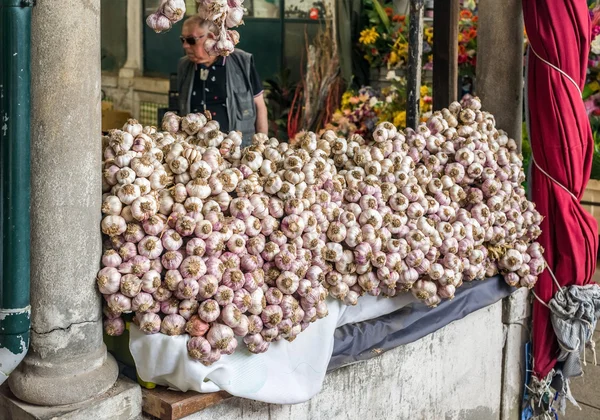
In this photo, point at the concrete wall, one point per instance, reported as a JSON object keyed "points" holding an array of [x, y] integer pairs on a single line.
{"points": [[113, 34], [453, 374]]}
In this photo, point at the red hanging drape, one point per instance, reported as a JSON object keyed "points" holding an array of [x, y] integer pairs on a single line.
{"points": [[562, 145]]}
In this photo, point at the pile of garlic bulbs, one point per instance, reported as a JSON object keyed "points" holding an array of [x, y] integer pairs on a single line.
{"points": [[215, 241], [425, 210], [196, 234]]}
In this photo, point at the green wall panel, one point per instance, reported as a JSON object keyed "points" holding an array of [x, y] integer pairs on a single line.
{"points": [[162, 51], [262, 38], [113, 37]]}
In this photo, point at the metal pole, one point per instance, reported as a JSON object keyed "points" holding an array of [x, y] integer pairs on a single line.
{"points": [[15, 48], [415, 54]]}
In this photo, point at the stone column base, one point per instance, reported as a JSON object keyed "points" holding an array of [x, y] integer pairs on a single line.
{"points": [[44, 381], [121, 402]]}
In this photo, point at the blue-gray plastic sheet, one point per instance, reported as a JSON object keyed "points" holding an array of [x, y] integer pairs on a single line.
{"points": [[356, 342]]}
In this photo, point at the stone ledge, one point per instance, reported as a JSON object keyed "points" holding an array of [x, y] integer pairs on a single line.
{"points": [[151, 84], [121, 402], [110, 80], [516, 307]]}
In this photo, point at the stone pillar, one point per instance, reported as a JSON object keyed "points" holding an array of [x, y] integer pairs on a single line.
{"points": [[67, 361], [499, 81], [516, 317], [134, 64]]}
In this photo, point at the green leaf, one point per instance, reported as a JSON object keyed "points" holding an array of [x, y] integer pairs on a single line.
{"points": [[382, 15], [587, 91]]}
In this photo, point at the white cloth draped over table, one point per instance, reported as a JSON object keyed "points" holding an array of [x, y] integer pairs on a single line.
{"points": [[288, 373]]}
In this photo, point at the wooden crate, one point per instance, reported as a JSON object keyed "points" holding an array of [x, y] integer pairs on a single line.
{"points": [[591, 199], [114, 119]]}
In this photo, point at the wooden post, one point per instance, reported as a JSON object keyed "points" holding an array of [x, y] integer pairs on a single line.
{"points": [[415, 55], [499, 82], [445, 52]]}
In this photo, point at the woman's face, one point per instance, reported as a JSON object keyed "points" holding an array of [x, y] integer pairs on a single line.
{"points": [[196, 53]]}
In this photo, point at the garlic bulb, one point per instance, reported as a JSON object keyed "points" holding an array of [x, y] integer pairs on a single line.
{"points": [[158, 22], [173, 324], [219, 336], [174, 10]]}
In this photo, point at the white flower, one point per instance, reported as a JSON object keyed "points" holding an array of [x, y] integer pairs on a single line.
{"points": [[391, 75], [373, 101], [596, 45]]}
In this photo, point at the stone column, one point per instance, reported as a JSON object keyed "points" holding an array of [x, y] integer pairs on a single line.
{"points": [[499, 81], [134, 64], [67, 361]]}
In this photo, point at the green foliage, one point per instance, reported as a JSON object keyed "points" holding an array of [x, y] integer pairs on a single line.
{"points": [[385, 20]]}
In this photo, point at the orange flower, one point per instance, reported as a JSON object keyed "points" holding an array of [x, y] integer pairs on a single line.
{"points": [[472, 33], [389, 11], [397, 18], [466, 14], [475, 19]]}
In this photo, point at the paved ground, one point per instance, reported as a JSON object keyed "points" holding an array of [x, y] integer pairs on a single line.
{"points": [[586, 389]]}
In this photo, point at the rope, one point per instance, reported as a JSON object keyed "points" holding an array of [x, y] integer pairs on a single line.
{"points": [[532, 155], [560, 288], [542, 169], [557, 69], [551, 178], [592, 345]]}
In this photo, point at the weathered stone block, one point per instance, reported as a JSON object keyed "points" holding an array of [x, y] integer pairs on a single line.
{"points": [[517, 307]]}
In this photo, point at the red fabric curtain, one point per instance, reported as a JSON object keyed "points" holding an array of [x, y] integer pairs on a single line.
{"points": [[562, 145]]}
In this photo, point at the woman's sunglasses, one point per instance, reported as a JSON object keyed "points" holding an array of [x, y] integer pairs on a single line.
{"points": [[191, 40]]}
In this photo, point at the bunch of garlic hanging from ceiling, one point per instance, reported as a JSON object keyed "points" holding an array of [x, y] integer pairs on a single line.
{"points": [[168, 13], [225, 15]]}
